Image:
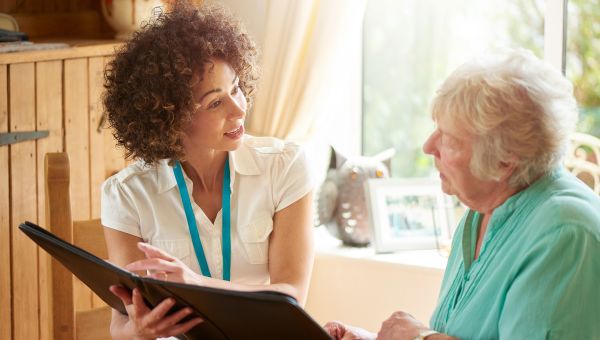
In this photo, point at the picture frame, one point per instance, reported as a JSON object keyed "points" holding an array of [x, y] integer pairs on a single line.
{"points": [[410, 213]]}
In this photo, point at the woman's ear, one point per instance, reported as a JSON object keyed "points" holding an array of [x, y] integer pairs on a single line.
{"points": [[508, 167]]}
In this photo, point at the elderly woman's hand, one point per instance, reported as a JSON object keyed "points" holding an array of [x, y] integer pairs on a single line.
{"points": [[400, 326], [163, 266], [340, 331], [142, 323]]}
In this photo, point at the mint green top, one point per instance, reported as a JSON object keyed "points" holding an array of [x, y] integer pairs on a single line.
{"points": [[538, 273]]}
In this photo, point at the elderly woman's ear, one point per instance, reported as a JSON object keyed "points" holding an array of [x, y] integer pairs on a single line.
{"points": [[507, 168]]}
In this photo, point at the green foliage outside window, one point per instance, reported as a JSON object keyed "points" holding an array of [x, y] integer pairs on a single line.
{"points": [[410, 47], [406, 57], [583, 60], [582, 55]]}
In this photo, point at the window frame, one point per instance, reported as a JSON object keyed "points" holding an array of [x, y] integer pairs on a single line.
{"points": [[555, 36]]}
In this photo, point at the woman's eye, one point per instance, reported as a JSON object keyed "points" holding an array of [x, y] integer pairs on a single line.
{"points": [[214, 104]]}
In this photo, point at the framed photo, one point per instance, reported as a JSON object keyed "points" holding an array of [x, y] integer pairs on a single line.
{"points": [[408, 213]]}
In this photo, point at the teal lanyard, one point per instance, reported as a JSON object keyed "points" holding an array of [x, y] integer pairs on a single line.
{"points": [[191, 221]]}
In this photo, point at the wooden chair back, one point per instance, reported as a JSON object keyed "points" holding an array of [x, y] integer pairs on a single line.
{"points": [[66, 321], [583, 159]]}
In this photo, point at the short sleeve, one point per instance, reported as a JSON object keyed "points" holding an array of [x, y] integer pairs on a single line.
{"points": [[554, 294], [117, 208], [293, 178]]}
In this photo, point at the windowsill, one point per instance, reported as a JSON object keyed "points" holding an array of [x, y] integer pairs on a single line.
{"points": [[362, 288], [327, 245]]}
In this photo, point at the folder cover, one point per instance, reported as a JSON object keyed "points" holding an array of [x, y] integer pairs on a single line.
{"points": [[227, 314]]}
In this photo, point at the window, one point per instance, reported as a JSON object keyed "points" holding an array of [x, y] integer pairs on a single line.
{"points": [[410, 46], [583, 61]]}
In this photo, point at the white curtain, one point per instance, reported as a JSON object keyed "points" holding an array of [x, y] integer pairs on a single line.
{"points": [[301, 46]]}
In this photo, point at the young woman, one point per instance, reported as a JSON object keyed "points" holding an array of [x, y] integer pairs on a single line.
{"points": [[204, 203]]}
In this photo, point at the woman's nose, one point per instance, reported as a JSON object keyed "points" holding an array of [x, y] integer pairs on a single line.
{"points": [[430, 145], [238, 108]]}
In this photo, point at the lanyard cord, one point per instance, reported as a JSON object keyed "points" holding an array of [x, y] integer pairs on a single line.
{"points": [[193, 228]]}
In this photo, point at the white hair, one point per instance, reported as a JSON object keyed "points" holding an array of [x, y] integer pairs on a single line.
{"points": [[517, 107]]}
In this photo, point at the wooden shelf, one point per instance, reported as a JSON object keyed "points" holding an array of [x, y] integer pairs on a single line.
{"points": [[78, 48]]}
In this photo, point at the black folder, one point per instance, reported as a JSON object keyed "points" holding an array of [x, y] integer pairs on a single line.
{"points": [[227, 314]]}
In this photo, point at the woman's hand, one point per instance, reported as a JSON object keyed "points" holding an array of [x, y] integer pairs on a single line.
{"points": [[400, 326], [340, 331], [163, 266], [144, 323]]}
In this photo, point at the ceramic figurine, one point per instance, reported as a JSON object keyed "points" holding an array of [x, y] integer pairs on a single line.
{"points": [[341, 200]]}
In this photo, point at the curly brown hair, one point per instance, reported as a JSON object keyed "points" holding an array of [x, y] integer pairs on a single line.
{"points": [[148, 94]]}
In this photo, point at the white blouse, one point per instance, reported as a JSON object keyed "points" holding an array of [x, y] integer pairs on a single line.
{"points": [[267, 175]]}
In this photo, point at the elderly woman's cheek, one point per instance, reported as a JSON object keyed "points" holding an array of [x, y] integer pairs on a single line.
{"points": [[450, 157]]}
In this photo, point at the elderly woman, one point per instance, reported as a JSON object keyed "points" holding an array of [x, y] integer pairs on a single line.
{"points": [[213, 206], [525, 260]]}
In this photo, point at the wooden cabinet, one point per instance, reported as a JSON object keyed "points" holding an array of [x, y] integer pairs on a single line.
{"points": [[58, 91]]}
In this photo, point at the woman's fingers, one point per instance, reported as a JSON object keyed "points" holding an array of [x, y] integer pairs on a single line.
{"points": [[153, 252], [122, 293], [168, 325], [335, 329], [139, 305], [164, 276], [154, 319], [152, 264], [158, 313], [175, 318], [184, 327], [129, 299], [162, 266]]}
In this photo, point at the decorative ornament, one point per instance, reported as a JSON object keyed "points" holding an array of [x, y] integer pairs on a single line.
{"points": [[341, 200]]}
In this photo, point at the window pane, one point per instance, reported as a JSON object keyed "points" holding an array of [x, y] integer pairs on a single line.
{"points": [[583, 61], [410, 46]]}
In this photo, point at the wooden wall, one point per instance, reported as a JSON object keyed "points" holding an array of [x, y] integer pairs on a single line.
{"points": [[62, 96], [51, 19], [46, 6]]}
